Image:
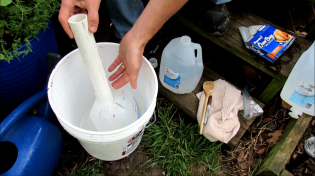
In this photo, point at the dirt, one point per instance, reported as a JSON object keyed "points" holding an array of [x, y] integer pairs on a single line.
{"points": [[74, 155], [263, 134], [131, 165]]}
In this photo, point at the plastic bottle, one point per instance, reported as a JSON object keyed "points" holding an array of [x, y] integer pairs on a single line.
{"points": [[298, 90], [181, 68]]}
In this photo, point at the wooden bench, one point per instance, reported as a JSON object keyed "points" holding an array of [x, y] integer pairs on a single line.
{"points": [[189, 103], [232, 41]]}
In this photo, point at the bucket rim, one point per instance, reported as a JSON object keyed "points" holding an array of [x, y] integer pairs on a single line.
{"points": [[59, 117]]}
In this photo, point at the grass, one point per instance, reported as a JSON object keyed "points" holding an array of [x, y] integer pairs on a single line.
{"points": [[177, 146], [89, 167], [255, 169]]}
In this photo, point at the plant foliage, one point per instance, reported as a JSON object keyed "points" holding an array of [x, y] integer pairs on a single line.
{"points": [[87, 169], [177, 146], [20, 21]]}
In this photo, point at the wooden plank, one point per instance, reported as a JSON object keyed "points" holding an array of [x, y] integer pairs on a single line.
{"points": [[234, 141], [224, 42], [271, 90], [286, 173], [293, 53], [245, 124], [286, 105], [189, 103], [232, 41], [274, 163]]}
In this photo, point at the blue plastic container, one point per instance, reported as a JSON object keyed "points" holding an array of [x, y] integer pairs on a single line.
{"points": [[20, 80], [30, 145]]}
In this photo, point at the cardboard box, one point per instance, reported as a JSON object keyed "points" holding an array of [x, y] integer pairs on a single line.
{"points": [[269, 42]]}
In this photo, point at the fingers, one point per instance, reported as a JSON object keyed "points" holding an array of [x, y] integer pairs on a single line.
{"points": [[63, 17], [69, 8], [117, 73], [130, 54], [78, 10], [133, 78], [121, 81], [92, 8], [114, 64], [124, 79], [134, 72]]}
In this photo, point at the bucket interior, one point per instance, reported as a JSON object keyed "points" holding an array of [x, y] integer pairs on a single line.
{"points": [[71, 94]]}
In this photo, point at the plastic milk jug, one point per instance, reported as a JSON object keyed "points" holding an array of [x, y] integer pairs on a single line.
{"points": [[298, 90], [181, 68]]}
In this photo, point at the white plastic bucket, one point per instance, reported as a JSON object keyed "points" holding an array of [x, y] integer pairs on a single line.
{"points": [[71, 96]]}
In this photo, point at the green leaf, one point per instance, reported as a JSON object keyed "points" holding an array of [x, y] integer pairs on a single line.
{"points": [[14, 9], [1, 32], [2, 23], [3, 11], [5, 2], [1, 56], [40, 1]]}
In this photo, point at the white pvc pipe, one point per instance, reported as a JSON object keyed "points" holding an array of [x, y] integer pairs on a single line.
{"points": [[91, 57]]}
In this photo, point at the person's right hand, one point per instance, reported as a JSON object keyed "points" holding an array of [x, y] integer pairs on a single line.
{"points": [[130, 56], [71, 7]]}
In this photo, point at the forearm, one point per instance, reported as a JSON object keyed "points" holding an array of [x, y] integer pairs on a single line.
{"points": [[156, 13]]}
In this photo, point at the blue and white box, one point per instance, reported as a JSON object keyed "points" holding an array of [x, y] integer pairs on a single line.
{"points": [[266, 41]]}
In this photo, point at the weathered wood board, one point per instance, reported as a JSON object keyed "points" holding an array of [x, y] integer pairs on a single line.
{"points": [[189, 103], [232, 41]]}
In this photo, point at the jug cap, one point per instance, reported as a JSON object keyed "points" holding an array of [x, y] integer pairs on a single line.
{"points": [[186, 40], [153, 62], [295, 112]]}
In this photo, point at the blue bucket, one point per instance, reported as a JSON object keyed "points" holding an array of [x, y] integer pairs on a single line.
{"points": [[20, 79]]}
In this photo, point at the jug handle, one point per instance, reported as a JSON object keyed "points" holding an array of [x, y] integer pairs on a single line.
{"points": [[199, 62]]}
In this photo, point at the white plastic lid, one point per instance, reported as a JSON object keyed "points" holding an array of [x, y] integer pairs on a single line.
{"points": [[186, 40], [153, 62], [310, 147], [295, 112]]}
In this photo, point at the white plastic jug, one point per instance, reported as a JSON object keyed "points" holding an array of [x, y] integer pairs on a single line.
{"points": [[298, 90], [181, 69]]}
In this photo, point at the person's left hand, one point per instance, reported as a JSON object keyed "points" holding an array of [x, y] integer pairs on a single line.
{"points": [[130, 56]]}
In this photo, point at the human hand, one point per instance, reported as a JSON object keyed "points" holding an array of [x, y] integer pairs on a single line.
{"points": [[130, 56], [71, 7]]}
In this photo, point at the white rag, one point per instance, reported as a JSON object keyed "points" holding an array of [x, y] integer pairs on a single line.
{"points": [[223, 123]]}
